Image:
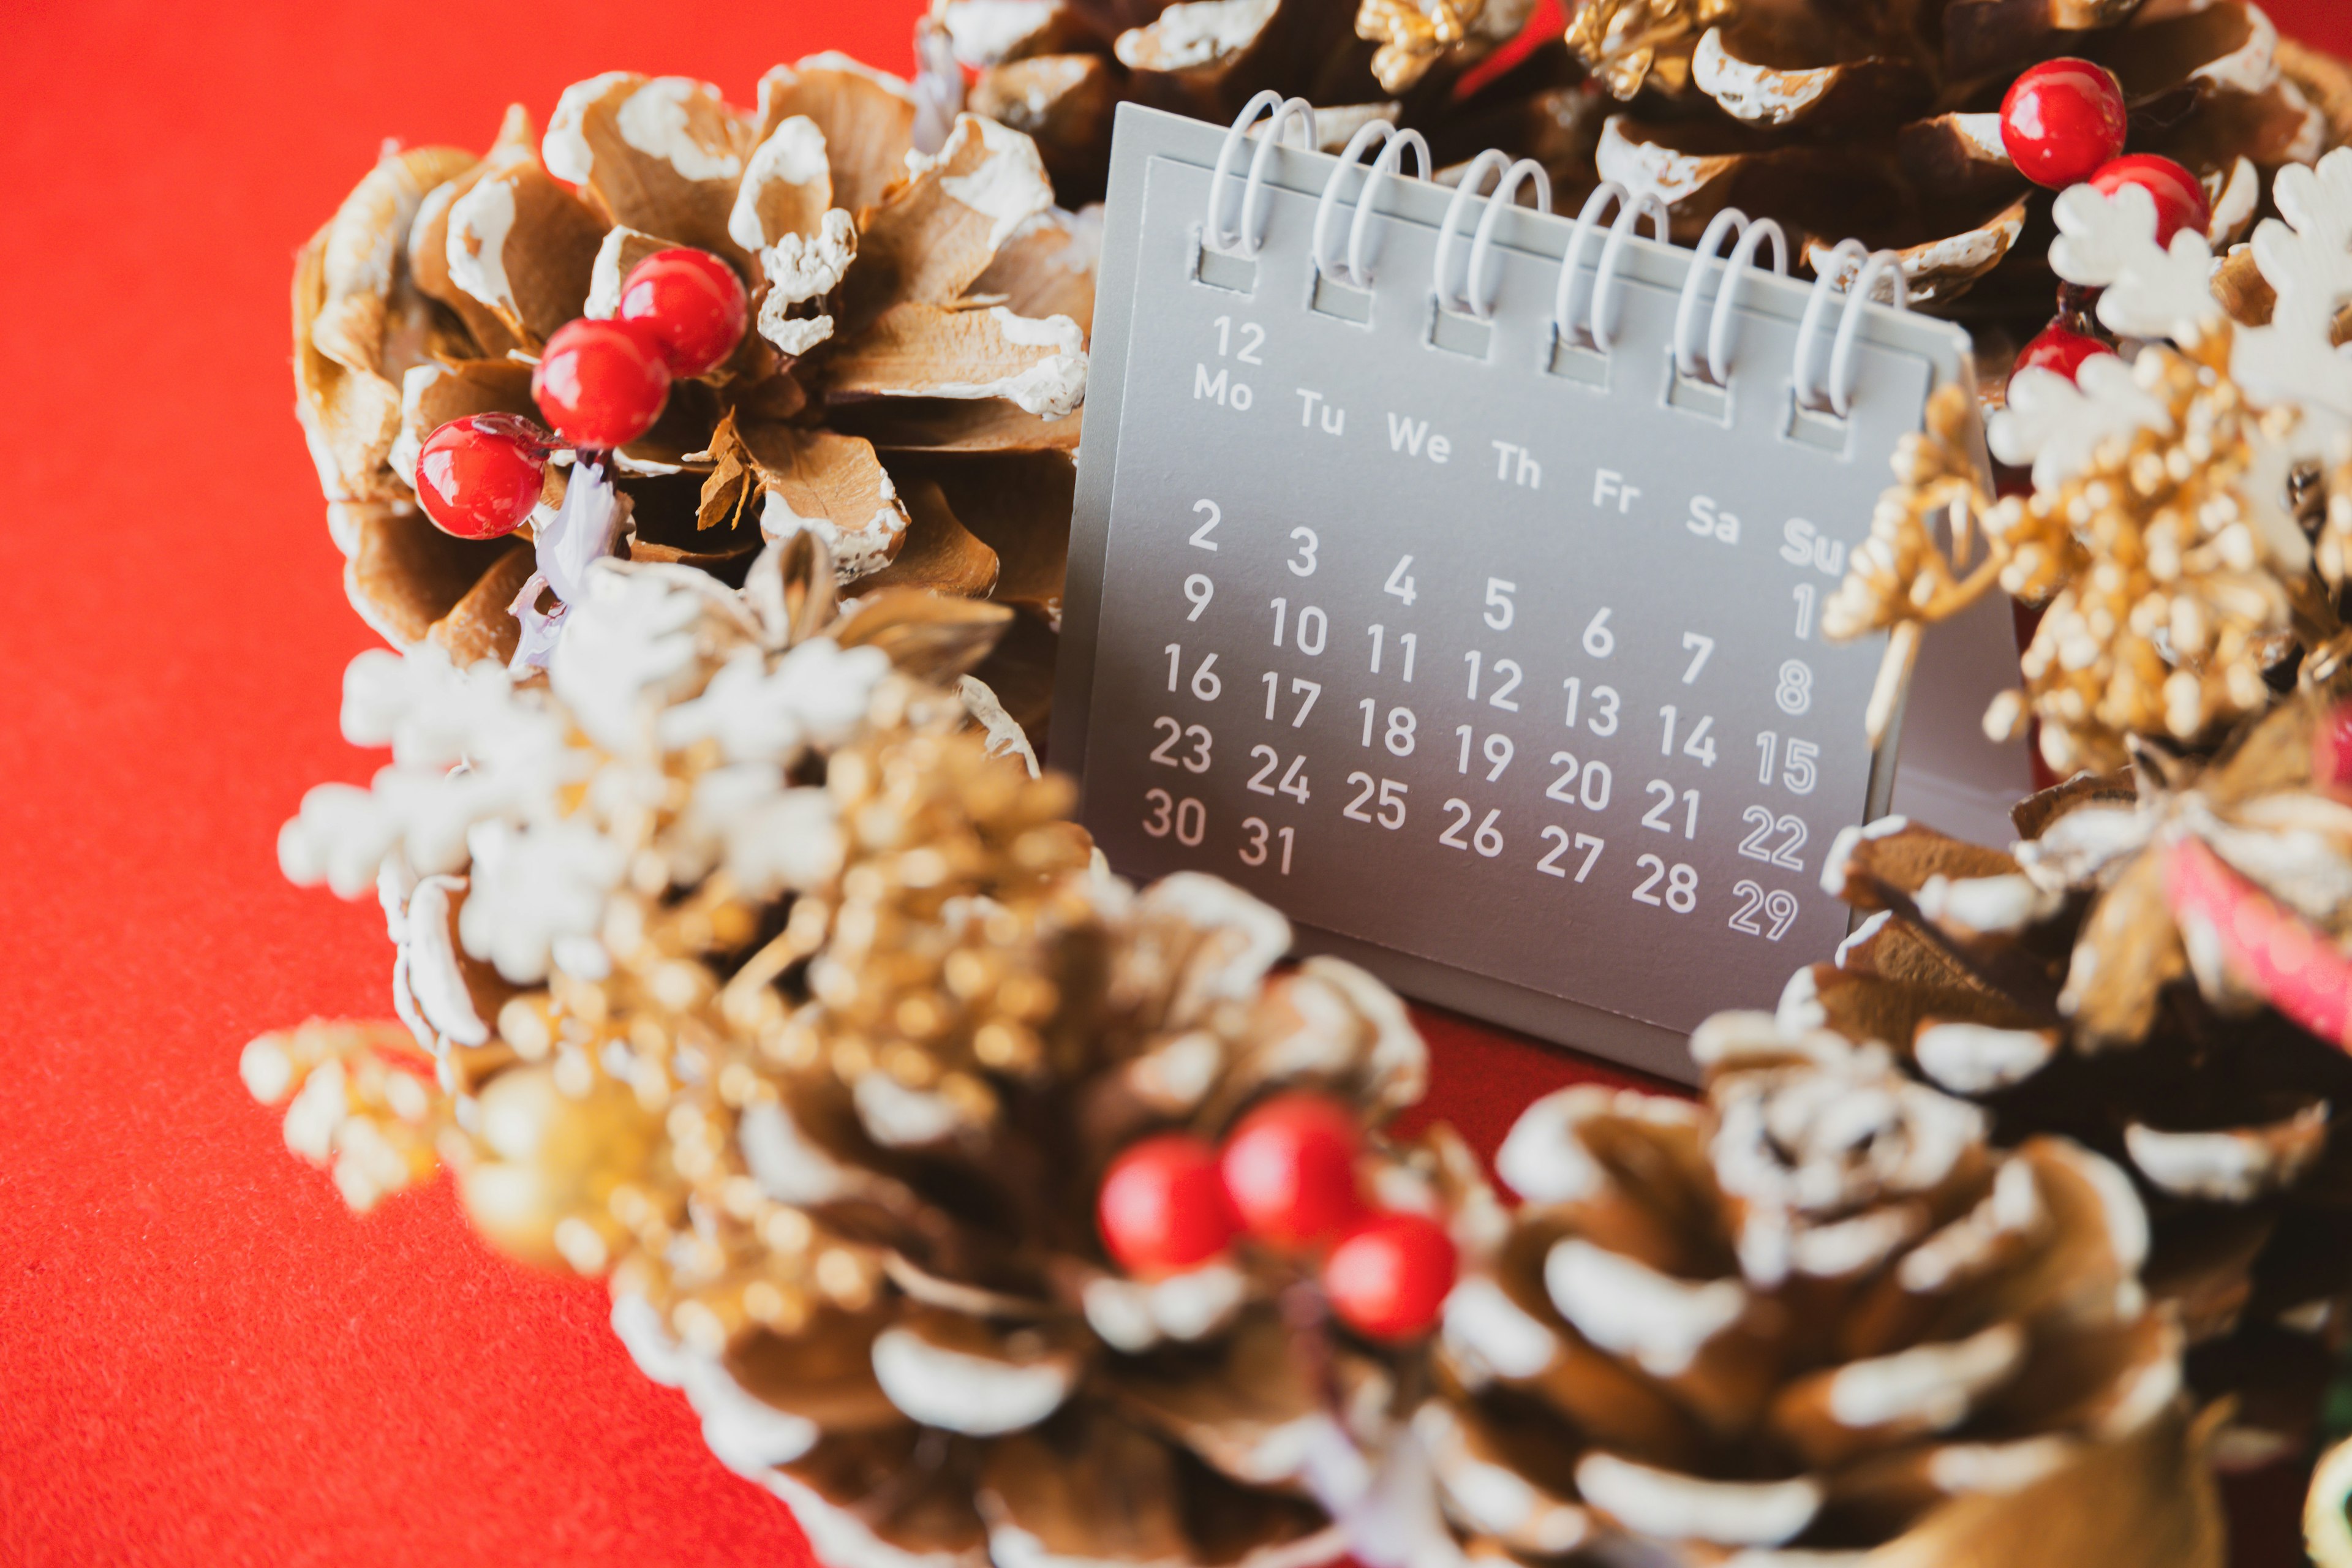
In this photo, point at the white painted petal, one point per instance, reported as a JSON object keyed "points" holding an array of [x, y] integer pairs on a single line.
{"points": [[1629, 1309], [1931, 1385], [898, 1117], [839, 1538], [793, 154], [1842, 846], [1975, 906], [1999, 1467], [1977, 1059], [564, 149], [1683, 1508], [2227, 1166], [1485, 1326], [979, 1396], [1542, 1158], [434, 977], [788, 1166], [655, 121]]}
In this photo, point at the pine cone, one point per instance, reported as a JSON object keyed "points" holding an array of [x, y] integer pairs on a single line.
{"points": [[1818, 1313], [1881, 122], [1058, 69], [909, 394], [991, 1387], [680, 737], [2118, 980], [749, 977]]}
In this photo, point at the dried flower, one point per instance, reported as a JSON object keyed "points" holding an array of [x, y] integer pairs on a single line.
{"points": [[1628, 43], [2165, 532]]}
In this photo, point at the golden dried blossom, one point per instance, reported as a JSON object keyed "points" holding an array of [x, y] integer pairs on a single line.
{"points": [[1413, 35], [1626, 42], [360, 1100], [2168, 606]]}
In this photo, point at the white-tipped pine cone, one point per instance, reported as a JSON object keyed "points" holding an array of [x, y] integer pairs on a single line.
{"points": [[1815, 1318], [758, 976], [2148, 972], [909, 394]]}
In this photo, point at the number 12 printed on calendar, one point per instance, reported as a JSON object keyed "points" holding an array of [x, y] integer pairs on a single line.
{"points": [[1487, 647]]}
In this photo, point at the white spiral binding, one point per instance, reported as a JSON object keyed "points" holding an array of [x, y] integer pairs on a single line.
{"points": [[1726, 293], [1480, 298], [1884, 264], [1838, 396], [1285, 113], [1600, 329], [1356, 270], [1491, 162], [1597, 328]]}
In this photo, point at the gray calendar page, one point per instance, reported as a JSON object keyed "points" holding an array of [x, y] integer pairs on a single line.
{"points": [[1497, 667]]}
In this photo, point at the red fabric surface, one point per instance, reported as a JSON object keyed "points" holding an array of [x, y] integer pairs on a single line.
{"points": [[204, 1359]]}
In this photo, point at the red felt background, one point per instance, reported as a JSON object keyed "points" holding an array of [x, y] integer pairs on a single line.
{"points": [[203, 1358]]}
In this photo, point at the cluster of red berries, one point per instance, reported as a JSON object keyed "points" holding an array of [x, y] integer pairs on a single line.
{"points": [[1286, 1178], [2064, 123], [601, 384]]}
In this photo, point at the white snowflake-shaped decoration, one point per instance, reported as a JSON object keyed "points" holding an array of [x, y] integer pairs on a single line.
{"points": [[2058, 426], [516, 797], [2289, 367]]}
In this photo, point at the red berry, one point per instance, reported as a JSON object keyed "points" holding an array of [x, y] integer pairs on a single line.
{"points": [[601, 384], [1290, 1171], [2060, 348], [691, 303], [479, 476], [2179, 200], [1389, 1279], [2060, 120], [2331, 751], [1162, 1208]]}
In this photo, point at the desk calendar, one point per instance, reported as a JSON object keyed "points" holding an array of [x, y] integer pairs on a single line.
{"points": [[1448, 575]]}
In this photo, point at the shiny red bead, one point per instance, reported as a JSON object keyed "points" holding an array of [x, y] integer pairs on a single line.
{"points": [[2060, 120], [2180, 201], [479, 476], [1290, 1171], [1389, 1279], [2060, 348], [1162, 1208], [691, 303], [601, 384]]}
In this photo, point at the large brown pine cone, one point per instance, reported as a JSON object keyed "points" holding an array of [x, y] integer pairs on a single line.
{"points": [[908, 393], [754, 974], [1879, 121], [1817, 1314], [1058, 69], [996, 1390], [2111, 979]]}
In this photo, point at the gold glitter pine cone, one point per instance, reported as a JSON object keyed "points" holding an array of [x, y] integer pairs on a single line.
{"points": [[1816, 1318], [747, 963], [988, 1387], [908, 393]]}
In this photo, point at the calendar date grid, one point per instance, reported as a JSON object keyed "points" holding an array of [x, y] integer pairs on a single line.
{"points": [[1510, 741]]}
